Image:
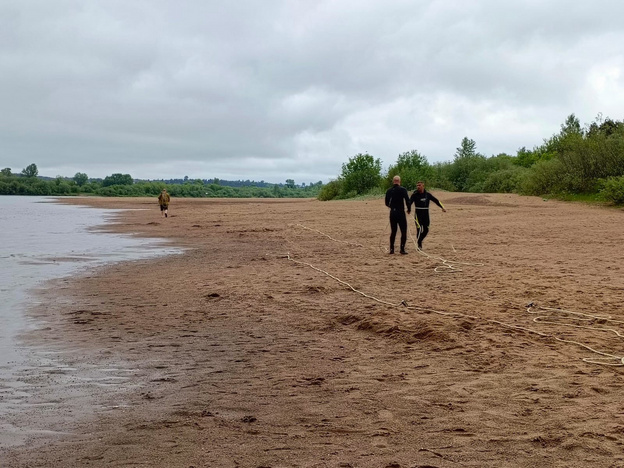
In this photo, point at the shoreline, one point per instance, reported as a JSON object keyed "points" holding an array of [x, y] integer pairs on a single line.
{"points": [[241, 358], [38, 385]]}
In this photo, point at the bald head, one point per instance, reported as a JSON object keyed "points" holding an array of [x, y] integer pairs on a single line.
{"points": [[396, 180]]}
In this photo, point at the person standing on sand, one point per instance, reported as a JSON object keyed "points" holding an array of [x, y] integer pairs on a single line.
{"points": [[421, 198], [396, 196], [163, 201]]}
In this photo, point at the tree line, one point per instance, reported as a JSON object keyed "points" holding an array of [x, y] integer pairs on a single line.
{"points": [[577, 162], [28, 182]]}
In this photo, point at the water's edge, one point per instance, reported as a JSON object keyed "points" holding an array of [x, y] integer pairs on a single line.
{"points": [[40, 387]]}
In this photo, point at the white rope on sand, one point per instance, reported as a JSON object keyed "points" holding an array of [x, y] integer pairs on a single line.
{"points": [[381, 301], [604, 360], [448, 264], [587, 318], [329, 237]]}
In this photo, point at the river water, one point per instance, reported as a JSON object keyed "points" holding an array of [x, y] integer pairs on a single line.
{"points": [[42, 240]]}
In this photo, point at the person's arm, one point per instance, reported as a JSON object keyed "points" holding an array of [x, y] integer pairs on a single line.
{"points": [[437, 202], [408, 202], [388, 198], [412, 200]]}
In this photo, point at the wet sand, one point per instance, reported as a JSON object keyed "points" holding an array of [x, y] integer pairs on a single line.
{"points": [[286, 336]]}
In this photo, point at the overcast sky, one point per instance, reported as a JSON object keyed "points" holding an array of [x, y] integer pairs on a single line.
{"points": [[269, 90]]}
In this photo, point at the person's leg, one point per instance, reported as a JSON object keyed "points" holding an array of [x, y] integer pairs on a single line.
{"points": [[403, 226], [424, 230], [417, 232], [393, 231], [423, 220]]}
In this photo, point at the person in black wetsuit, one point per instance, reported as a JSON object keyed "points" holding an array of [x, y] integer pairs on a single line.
{"points": [[421, 198], [396, 199]]}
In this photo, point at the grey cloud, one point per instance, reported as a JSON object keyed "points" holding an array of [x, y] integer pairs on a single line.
{"points": [[277, 90]]}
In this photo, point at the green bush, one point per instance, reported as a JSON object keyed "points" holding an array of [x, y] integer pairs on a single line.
{"points": [[361, 173], [376, 192], [440, 177], [613, 190], [504, 181], [544, 177], [351, 194], [331, 190]]}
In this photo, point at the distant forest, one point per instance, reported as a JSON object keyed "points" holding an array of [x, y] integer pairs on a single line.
{"points": [[577, 163], [28, 182]]}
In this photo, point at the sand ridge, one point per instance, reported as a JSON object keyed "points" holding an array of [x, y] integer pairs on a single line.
{"points": [[242, 357]]}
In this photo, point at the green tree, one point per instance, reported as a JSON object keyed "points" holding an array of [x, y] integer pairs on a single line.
{"points": [[117, 179], [30, 171], [525, 157], [412, 159], [572, 125], [361, 174], [606, 127], [468, 170], [290, 183], [412, 167], [441, 176], [80, 178], [467, 149], [6, 172]]}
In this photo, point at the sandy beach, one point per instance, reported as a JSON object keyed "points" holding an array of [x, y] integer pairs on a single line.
{"points": [[286, 336]]}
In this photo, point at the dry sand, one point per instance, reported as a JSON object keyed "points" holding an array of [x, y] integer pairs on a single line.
{"points": [[234, 355]]}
